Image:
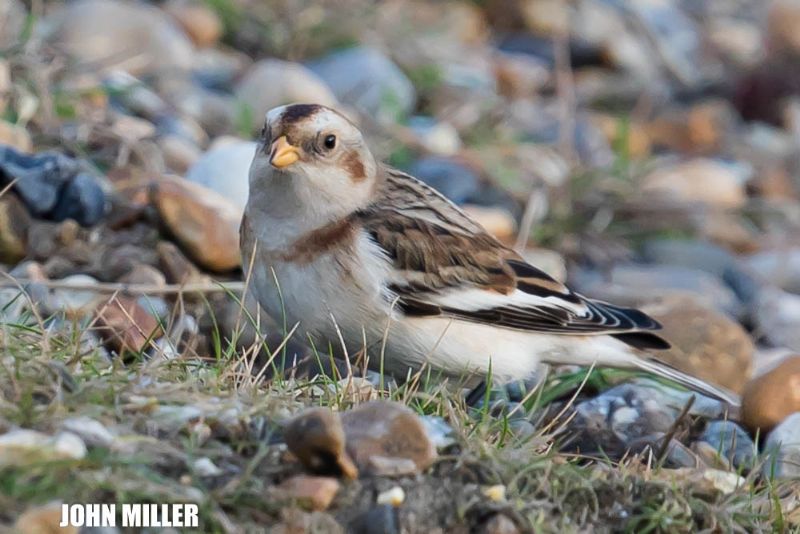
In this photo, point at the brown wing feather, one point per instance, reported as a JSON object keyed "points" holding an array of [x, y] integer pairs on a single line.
{"points": [[435, 247]]}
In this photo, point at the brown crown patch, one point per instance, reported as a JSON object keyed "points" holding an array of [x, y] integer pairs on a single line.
{"points": [[299, 112]]}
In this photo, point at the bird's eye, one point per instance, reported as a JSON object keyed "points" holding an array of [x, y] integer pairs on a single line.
{"points": [[330, 141]]}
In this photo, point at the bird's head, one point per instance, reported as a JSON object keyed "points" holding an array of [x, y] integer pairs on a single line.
{"points": [[315, 155]]}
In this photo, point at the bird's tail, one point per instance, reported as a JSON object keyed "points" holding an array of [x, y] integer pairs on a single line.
{"points": [[695, 384]]}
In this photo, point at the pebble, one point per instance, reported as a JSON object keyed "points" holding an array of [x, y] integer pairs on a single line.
{"points": [[708, 257], [22, 447], [204, 222], [143, 274], [82, 200], [698, 181], [705, 343], [394, 496], [91, 431], [783, 447], [45, 519], [197, 19], [175, 266], [206, 468], [14, 223], [270, 83], [126, 326], [629, 284], [382, 429], [439, 432], [618, 417], [180, 154], [782, 23], [440, 138], [366, 79], [312, 492], [772, 397], [134, 37], [730, 442], [380, 519], [225, 168], [776, 316], [499, 524], [15, 136], [76, 301], [495, 493], [456, 181], [316, 437], [12, 22], [497, 221], [780, 267]]}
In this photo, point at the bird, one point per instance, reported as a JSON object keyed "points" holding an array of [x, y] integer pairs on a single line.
{"points": [[357, 255]]}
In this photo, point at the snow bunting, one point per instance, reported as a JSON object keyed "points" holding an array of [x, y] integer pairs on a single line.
{"points": [[361, 255]]}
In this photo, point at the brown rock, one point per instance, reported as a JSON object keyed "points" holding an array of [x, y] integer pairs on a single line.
{"points": [[143, 274], [705, 343], [386, 430], [497, 221], [314, 493], [698, 130], [199, 22], [125, 325], [697, 181], [317, 438], [783, 25], [179, 153], [175, 266], [770, 398], [14, 223], [43, 520], [203, 221]]}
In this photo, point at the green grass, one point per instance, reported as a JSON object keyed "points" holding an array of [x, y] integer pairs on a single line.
{"points": [[47, 377]]}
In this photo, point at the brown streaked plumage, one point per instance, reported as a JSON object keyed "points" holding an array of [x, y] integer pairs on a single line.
{"points": [[364, 256]]}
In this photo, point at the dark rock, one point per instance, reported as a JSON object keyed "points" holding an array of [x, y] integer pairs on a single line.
{"points": [[380, 519], [730, 441], [53, 186], [82, 200], [674, 453], [454, 180]]}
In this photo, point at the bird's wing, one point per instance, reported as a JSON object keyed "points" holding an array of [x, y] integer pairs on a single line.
{"points": [[447, 264]]}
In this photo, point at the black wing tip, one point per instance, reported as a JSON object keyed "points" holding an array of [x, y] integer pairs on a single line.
{"points": [[643, 340]]}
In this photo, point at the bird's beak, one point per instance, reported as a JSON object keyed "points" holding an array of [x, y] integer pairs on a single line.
{"points": [[282, 154]]}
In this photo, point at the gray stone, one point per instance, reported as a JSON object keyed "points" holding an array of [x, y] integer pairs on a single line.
{"points": [[708, 257], [368, 80], [226, 169], [635, 284], [131, 36], [454, 180], [12, 22], [274, 82], [783, 447], [780, 267], [614, 420], [731, 442], [777, 317]]}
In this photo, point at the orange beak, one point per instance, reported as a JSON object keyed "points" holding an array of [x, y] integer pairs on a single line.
{"points": [[282, 154]]}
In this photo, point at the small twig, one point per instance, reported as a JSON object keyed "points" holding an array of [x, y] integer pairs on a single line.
{"points": [[673, 429], [138, 289]]}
